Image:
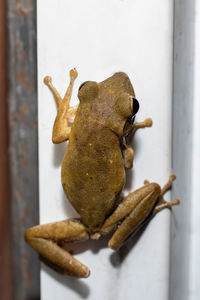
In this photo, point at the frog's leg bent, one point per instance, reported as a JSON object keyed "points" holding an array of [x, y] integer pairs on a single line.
{"points": [[135, 209], [46, 240], [128, 152], [65, 113]]}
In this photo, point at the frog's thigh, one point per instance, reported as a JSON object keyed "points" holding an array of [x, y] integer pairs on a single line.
{"points": [[133, 210], [45, 240], [136, 208]]}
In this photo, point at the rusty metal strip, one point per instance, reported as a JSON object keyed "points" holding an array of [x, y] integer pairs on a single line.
{"points": [[23, 143], [5, 253]]}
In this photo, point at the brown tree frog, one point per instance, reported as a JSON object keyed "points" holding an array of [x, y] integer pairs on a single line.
{"points": [[93, 171]]}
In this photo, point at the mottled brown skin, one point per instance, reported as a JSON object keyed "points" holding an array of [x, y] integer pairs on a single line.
{"points": [[92, 185], [93, 171]]}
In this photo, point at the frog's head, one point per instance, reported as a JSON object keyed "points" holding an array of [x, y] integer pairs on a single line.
{"points": [[122, 105], [111, 101], [118, 83]]}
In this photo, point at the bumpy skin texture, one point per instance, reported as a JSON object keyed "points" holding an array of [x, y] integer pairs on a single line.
{"points": [[93, 171], [92, 185]]}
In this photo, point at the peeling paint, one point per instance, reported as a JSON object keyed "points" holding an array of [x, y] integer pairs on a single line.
{"points": [[25, 216], [22, 160], [22, 10], [21, 55], [20, 115], [25, 267], [22, 78]]}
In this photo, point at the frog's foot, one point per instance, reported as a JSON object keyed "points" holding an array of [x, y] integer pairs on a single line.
{"points": [[46, 240], [168, 185], [65, 113], [146, 181], [162, 203], [146, 123], [165, 204]]}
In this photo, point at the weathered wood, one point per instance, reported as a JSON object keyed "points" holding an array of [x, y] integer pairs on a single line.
{"points": [[23, 143]]}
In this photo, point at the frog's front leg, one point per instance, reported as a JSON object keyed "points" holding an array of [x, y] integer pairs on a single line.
{"points": [[135, 209], [128, 152], [65, 113], [46, 240]]}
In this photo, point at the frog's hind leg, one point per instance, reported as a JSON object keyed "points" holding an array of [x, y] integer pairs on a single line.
{"points": [[135, 210], [131, 213], [46, 240], [65, 113]]}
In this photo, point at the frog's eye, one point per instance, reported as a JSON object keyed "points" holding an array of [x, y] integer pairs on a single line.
{"points": [[82, 84], [136, 106], [89, 92]]}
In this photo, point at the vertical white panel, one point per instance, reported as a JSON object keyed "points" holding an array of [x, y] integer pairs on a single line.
{"points": [[194, 286], [100, 38], [184, 250]]}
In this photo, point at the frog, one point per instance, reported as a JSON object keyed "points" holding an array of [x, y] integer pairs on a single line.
{"points": [[99, 132]]}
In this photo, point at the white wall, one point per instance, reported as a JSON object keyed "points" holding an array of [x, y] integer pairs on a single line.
{"points": [[185, 238], [100, 38]]}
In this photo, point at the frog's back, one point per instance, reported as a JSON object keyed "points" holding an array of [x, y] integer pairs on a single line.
{"points": [[93, 172]]}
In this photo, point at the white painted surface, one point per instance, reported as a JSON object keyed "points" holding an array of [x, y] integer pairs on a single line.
{"points": [[194, 287], [185, 238], [100, 38]]}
